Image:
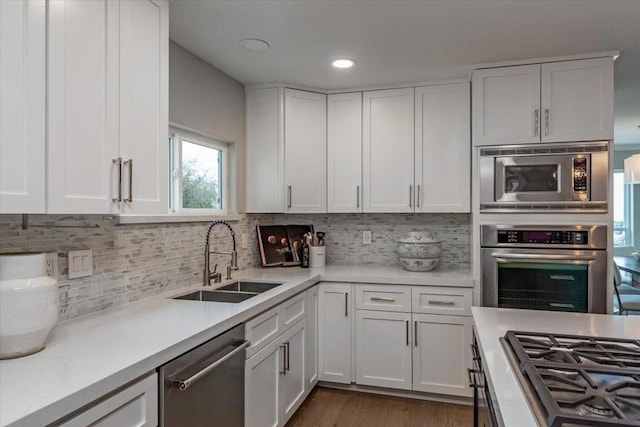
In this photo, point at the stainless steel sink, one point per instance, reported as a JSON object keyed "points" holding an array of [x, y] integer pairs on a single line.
{"points": [[242, 286], [217, 296], [234, 292]]}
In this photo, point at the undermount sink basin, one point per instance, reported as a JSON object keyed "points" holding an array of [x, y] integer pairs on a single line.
{"points": [[217, 296], [242, 286], [234, 292]]}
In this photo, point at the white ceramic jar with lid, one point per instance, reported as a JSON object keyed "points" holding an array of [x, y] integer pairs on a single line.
{"points": [[419, 251], [28, 302]]}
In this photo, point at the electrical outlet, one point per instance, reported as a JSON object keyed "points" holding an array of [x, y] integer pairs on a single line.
{"points": [[51, 266], [366, 237], [245, 240]]}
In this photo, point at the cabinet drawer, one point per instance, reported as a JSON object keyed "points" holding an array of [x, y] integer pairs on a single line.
{"points": [[383, 298], [262, 329], [453, 301]]}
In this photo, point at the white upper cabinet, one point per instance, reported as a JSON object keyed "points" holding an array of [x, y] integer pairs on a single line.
{"points": [[144, 110], [264, 151], [506, 105], [443, 148], [108, 107], [305, 151], [552, 102], [388, 150], [577, 100], [83, 106], [344, 152], [22, 106]]}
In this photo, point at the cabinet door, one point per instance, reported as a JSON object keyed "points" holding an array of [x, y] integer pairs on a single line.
{"points": [[305, 151], [292, 381], [144, 133], [344, 152], [506, 105], [261, 391], [577, 100], [388, 161], [22, 106], [443, 148], [383, 349], [441, 354], [82, 106], [311, 350], [334, 343], [264, 151], [135, 406]]}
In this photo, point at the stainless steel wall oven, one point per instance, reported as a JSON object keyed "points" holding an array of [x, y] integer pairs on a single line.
{"points": [[544, 177], [559, 268]]}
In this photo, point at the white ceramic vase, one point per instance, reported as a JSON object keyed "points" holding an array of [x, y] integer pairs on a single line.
{"points": [[28, 303]]}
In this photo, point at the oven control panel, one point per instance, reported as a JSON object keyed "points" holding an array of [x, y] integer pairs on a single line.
{"points": [[544, 237]]}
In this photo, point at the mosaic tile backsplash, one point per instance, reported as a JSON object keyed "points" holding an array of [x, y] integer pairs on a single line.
{"points": [[132, 262]]}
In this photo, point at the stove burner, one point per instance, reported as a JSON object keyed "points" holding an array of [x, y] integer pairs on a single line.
{"points": [[596, 407], [579, 380]]}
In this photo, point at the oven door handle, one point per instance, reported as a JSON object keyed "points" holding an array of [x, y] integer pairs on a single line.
{"points": [[536, 258], [182, 385]]}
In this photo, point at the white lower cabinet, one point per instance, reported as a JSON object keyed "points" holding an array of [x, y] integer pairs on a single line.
{"points": [[383, 349], [442, 354], [275, 379], [311, 336], [334, 332], [135, 406]]}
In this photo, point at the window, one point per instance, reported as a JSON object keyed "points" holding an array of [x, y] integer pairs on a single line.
{"points": [[621, 210], [198, 168]]}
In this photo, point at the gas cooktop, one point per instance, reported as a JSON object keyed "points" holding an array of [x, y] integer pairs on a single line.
{"points": [[573, 380]]}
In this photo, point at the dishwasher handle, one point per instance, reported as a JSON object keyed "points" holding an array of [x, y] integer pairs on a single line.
{"points": [[182, 385]]}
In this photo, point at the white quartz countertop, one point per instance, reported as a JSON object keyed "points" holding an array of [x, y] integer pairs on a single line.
{"points": [[88, 357], [491, 324]]}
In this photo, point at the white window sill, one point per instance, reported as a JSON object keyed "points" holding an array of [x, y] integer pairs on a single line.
{"points": [[175, 218]]}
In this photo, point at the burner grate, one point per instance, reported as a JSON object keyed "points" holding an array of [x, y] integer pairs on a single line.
{"points": [[581, 380]]}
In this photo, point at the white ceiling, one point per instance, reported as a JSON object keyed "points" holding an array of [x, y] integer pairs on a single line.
{"points": [[410, 41]]}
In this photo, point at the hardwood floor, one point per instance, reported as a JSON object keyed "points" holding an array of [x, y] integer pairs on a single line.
{"points": [[338, 408]]}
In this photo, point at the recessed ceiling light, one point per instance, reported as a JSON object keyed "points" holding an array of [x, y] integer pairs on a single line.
{"points": [[343, 63], [254, 44]]}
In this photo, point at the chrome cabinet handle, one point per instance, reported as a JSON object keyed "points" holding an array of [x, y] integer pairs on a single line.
{"points": [[536, 122], [289, 202], [436, 302], [524, 257], [410, 196], [386, 299], [415, 333], [346, 304], [418, 197], [407, 331], [357, 196], [284, 359], [546, 122], [118, 162], [129, 164], [182, 385], [287, 357], [472, 378]]}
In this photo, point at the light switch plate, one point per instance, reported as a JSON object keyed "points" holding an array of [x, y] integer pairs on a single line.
{"points": [[80, 263]]}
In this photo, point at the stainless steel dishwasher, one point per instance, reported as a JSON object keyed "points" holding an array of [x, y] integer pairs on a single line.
{"points": [[205, 386]]}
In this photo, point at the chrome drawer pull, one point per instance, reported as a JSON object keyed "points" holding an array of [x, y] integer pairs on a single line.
{"points": [[118, 162], [182, 385], [436, 302], [385, 299]]}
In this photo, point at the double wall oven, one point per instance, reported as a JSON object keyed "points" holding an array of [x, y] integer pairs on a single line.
{"points": [[545, 267]]}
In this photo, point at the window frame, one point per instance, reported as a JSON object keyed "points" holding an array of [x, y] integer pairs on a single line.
{"points": [[176, 138]]}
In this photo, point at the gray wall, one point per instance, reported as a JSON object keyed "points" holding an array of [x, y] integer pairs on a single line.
{"points": [[204, 98]]}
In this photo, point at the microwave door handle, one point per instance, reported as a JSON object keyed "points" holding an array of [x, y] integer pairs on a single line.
{"points": [[536, 258]]}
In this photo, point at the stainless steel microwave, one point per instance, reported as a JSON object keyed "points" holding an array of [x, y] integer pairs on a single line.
{"points": [[545, 177]]}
